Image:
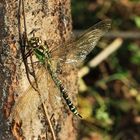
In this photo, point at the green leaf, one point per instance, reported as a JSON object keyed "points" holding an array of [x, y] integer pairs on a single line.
{"points": [[137, 21], [135, 50]]}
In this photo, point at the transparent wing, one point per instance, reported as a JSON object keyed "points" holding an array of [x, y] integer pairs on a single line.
{"points": [[81, 47]]}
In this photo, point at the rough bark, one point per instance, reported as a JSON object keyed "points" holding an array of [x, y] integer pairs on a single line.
{"points": [[21, 113]]}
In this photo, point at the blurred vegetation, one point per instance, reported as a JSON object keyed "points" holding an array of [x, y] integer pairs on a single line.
{"points": [[110, 101]]}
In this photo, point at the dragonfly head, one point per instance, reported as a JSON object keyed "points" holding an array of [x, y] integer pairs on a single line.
{"points": [[34, 42]]}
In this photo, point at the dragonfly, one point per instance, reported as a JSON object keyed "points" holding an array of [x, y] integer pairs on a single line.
{"points": [[73, 52]]}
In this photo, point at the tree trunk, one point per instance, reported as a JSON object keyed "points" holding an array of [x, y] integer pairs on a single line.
{"points": [[23, 113]]}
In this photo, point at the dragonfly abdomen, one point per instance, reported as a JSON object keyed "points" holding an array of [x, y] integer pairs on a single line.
{"points": [[68, 101], [64, 92]]}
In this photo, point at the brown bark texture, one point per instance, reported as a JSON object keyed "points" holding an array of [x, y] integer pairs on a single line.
{"points": [[22, 114]]}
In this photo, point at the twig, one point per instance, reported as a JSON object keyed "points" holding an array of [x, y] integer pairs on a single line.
{"points": [[49, 122], [22, 42]]}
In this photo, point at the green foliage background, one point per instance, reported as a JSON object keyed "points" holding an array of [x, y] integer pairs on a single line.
{"points": [[110, 101]]}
